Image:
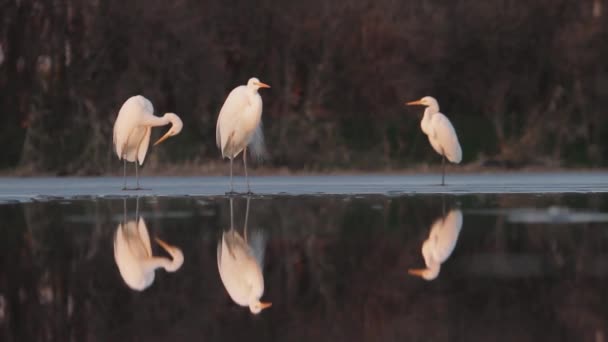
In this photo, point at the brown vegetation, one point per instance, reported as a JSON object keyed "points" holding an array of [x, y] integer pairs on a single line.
{"points": [[523, 82]]}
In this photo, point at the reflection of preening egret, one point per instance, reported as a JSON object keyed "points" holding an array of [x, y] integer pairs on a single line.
{"points": [[239, 124], [132, 131], [440, 244], [440, 131], [240, 264], [133, 255]]}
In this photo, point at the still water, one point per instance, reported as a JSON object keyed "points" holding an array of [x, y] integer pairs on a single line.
{"points": [[335, 268]]}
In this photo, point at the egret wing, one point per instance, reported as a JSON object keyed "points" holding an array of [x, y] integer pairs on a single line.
{"points": [[129, 117], [143, 146], [445, 134], [257, 147], [229, 116], [445, 234]]}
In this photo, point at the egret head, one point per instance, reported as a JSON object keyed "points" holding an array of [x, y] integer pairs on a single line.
{"points": [[427, 101], [255, 84], [256, 306], [176, 127], [176, 255]]}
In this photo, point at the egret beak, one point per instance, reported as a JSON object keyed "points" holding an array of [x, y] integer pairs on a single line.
{"points": [[163, 138], [416, 272], [262, 85], [265, 305], [414, 103]]}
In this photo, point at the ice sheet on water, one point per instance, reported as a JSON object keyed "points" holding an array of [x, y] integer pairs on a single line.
{"points": [[42, 189]]}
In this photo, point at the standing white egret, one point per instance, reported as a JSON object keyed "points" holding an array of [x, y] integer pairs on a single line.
{"points": [[239, 124], [133, 255], [132, 131], [440, 131], [440, 244], [240, 263]]}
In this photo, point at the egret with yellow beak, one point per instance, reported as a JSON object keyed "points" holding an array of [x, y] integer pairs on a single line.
{"points": [[239, 125], [132, 130], [440, 131]]}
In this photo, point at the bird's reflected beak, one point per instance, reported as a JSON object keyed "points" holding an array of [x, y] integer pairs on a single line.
{"points": [[265, 305], [164, 245], [416, 272], [414, 103], [262, 85], [163, 138]]}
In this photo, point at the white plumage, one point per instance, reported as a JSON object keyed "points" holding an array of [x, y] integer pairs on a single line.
{"points": [[440, 132], [440, 244], [240, 265], [133, 255], [239, 124], [133, 127]]}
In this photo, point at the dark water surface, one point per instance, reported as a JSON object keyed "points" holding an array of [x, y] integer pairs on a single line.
{"points": [[523, 267]]}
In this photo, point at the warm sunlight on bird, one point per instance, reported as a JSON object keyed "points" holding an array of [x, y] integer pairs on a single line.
{"points": [[133, 255], [440, 244], [440, 131], [240, 263], [132, 131], [239, 125]]}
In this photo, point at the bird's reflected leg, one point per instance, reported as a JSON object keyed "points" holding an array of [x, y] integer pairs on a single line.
{"points": [[231, 214], [124, 174], [443, 170], [124, 210], [246, 219], [246, 175]]}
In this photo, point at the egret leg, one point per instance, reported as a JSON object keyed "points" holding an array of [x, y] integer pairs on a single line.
{"points": [[443, 170], [245, 165], [137, 174], [124, 174]]}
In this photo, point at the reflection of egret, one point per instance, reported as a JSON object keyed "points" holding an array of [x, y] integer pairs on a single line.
{"points": [[440, 131], [240, 262], [239, 124], [440, 244], [132, 131], [133, 254]]}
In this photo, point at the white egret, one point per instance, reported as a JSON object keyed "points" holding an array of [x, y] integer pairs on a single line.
{"points": [[240, 263], [440, 131], [239, 124], [133, 255], [132, 131], [440, 244]]}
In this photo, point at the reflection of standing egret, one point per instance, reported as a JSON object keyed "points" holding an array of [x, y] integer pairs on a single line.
{"points": [[440, 244], [240, 261], [133, 254], [440, 131]]}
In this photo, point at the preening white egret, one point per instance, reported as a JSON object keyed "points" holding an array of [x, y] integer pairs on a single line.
{"points": [[133, 255], [440, 131], [132, 131], [240, 263], [239, 124], [440, 244]]}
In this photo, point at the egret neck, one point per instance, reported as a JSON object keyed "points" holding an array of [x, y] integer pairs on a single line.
{"points": [[429, 111]]}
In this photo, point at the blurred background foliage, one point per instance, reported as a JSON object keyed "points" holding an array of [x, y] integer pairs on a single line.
{"points": [[524, 83]]}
